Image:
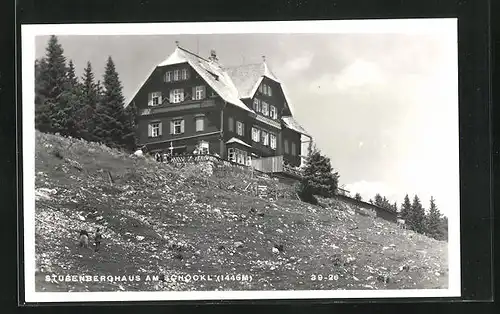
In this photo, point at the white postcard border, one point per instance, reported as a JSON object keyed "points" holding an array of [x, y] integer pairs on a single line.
{"points": [[28, 34]]}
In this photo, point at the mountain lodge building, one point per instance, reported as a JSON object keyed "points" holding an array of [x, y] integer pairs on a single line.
{"points": [[189, 103]]}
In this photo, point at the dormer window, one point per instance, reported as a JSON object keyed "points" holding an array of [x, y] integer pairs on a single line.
{"points": [[176, 75], [184, 74], [154, 99]]}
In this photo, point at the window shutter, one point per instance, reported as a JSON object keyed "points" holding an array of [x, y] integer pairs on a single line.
{"points": [[160, 130], [203, 93], [171, 127], [172, 96], [194, 93], [150, 130], [182, 94], [182, 126], [160, 100], [150, 99], [242, 129]]}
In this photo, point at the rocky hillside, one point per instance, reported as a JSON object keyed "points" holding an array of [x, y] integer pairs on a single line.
{"points": [[202, 227]]}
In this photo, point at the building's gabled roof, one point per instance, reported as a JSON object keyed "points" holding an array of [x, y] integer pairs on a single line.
{"points": [[248, 77], [292, 124], [210, 71], [237, 140], [231, 83]]}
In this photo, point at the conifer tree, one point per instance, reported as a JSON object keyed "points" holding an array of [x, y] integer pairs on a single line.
{"points": [[433, 221], [416, 216], [405, 207], [358, 197], [42, 109], [72, 79], [130, 134], [89, 100], [111, 126], [53, 93], [319, 175]]}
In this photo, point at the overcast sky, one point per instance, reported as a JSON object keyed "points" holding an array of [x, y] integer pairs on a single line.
{"points": [[383, 107]]}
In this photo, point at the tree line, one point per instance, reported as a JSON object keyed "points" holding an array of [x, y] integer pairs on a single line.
{"points": [[320, 179], [82, 107], [430, 222]]}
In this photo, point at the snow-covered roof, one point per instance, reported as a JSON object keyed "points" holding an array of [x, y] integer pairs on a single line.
{"points": [[237, 140], [292, 124]]}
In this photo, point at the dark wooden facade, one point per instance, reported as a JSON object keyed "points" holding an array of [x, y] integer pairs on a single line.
{"points": [[220, 118]]}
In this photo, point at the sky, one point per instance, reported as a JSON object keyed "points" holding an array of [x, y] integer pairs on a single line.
{"points": [[382, 106]]}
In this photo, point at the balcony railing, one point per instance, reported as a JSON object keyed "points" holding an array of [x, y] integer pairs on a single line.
{"points": [[186, 105]]}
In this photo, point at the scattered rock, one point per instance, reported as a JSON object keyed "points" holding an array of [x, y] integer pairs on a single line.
{"points": [[238, 244]]}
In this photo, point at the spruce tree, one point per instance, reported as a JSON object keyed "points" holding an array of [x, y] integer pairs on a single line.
{"points": [[319, 175], [42, 109], [110, 113], [433, 220], [416, 216], [56, 89], [89, 100], [405, 207], [130, 130], [72, 79]]}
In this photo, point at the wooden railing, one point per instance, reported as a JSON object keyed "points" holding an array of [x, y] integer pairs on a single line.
{"points": [[269, 165]]}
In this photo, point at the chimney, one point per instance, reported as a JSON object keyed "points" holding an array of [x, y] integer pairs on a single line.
{"points": [[213, 56]]}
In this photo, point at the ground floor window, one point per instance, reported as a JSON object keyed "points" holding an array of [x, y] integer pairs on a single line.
{"points": [[203, 147], [239, 156]]}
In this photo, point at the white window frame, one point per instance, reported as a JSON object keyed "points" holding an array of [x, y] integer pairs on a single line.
{"points": [[168, 76], [231, 156], [264, 87], [199, 92], [155, 96], [272, 140], [269, 92], [255, 135], [204, 147], [285, 144], [266, 110], [256, 104], [240, 128], [294, 149], [177, 95], [273, 112], [176, 75], [177, 123], [265, 138], [155, 129], [184, 74], [197, 123], [260, 87]]}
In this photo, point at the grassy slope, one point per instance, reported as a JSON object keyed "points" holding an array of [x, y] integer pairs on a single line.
{"points": [[149, 206]]}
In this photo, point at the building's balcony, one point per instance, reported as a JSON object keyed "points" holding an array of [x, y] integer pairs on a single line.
{"points": [[185, 105]]}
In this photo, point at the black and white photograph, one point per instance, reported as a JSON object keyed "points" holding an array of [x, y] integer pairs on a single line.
{"points": [[241, 160]]}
